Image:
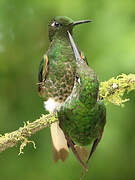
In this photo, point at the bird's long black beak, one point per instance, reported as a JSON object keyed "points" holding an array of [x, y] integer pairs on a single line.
{"points": [[75, 50], [80, 22]]}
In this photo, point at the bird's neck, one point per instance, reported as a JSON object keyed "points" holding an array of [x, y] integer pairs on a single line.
{"points": [[60, 46], [62, 36], [62, 39]]}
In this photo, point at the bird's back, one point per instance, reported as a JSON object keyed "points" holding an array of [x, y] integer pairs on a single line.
{"points": [[81, 115]]}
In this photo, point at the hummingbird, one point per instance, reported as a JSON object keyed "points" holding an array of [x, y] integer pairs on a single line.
{"points": [[82, 117], [56, 77]]}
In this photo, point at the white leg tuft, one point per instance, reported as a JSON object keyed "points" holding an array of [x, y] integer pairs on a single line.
{"points": [[51, 105]]}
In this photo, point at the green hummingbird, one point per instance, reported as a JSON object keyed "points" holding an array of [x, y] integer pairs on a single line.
{"points": [[83, 116], [56, 77]]}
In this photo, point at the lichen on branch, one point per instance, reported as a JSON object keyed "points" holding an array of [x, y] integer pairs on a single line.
{"points": [[21, 135], [114, 89]]}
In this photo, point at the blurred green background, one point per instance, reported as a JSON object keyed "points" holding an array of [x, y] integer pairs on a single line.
{"points": [[108, 42]]}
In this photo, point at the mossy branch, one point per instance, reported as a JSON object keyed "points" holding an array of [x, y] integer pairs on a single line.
{"points": [[114, 89], [11, 139], [110, 91]]}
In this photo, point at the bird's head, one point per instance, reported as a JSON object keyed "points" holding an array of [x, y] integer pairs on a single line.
{"points": [[59, 26]]}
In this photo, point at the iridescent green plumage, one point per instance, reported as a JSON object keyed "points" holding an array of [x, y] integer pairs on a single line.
{"points": [[82, 117]]}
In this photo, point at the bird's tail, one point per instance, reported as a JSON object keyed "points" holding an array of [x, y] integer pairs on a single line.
{"points": [[60, 147], [82, 151]]}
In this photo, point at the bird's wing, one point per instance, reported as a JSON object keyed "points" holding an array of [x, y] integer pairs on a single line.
{"points": [[42, 73], [43, 69], [102, 122]]}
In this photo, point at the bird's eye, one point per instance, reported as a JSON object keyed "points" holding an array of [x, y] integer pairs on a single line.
{"points": [[55, 23]]}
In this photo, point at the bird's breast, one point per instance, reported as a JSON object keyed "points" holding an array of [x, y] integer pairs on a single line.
{"points": [[61, 74]]}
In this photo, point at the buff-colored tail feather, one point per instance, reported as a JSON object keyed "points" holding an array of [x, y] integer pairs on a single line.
{"points": [[60, 147]]}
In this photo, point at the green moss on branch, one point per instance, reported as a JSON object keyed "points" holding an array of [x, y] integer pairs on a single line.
{"points": [[114, 89], [11, 139]]}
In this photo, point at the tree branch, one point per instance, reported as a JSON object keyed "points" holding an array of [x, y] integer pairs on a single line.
{"points": [[110, 91], [11, 139]]}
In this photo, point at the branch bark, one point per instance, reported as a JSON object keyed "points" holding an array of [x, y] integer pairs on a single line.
{"points": [[110, 91]]}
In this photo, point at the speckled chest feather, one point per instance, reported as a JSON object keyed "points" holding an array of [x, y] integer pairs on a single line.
{"points": [[60, 72]]}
